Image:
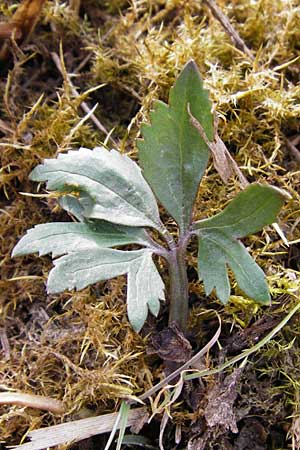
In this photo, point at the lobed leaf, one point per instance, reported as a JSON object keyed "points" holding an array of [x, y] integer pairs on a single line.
{"points": [[110, 185], [64, 237], [87, 260], [72, 205], [249, 212], [216, 251], [173, 154], [145, 289], [80, 269]]}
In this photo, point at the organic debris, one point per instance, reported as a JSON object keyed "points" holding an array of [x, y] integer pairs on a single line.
{"points": [[171, 345], [21, 25], [221, 397]]}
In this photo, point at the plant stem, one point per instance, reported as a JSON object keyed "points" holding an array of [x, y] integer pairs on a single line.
{"points": [[157, 248], [167, 237], [178, 285]]}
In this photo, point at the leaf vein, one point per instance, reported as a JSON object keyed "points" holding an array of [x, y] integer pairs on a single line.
{"points": [[108, 188]]}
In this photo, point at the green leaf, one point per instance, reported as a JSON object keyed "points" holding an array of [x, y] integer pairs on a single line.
{"points": [[172, 154], [87, 260], [120, 423], [109, 185], [145, 288], [124, 413], [64, 237], [216, 250], [72, 205], [80, 269], [249, 212]]}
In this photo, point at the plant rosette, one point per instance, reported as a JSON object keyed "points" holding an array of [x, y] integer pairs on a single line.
{"points": [[115, 203]]}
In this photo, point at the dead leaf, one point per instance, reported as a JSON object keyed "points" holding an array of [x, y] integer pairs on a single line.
{"points": [[219, 410], [223, 161], [21, 24], [171, 345], [163, 425]]}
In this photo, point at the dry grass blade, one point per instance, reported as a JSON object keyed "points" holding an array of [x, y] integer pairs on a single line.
{"points": [[77, 430], [246, 353], [163, 425], [173, 397]]}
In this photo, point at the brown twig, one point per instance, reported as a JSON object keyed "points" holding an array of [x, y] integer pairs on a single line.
{"points": [[291, 145], [4, 344], [233, 34]]}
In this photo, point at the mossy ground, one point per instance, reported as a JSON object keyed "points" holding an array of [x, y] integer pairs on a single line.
{"points": [[79, 347]]}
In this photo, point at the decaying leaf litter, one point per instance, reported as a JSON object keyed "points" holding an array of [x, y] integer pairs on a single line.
{"points": [[81, 350]]}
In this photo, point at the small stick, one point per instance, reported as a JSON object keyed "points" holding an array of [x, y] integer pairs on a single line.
{"points": [[224, 21], [291, 145], [5, 344], [32, 401]]}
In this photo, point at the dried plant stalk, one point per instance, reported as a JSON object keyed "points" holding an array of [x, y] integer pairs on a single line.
{"points": [[32, 401]]}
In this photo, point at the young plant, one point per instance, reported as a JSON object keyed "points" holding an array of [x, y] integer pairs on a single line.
{"points": [[114, 204]]}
